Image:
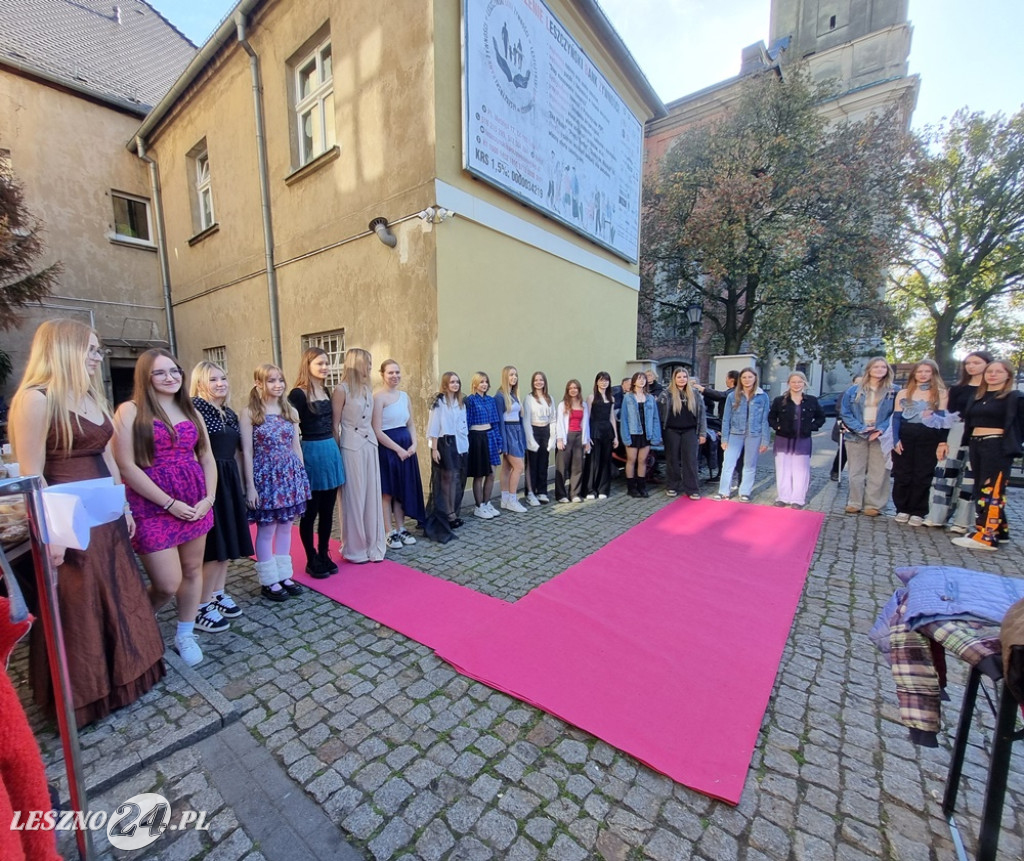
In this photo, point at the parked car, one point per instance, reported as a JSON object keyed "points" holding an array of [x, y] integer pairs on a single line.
{"points": [[830, 403]]}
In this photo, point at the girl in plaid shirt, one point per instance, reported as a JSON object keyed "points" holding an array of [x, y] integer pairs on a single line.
{"points": [[485, 444]]}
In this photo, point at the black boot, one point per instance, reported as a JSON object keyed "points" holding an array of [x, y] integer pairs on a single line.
{"points": [[328, 564], [314, 567], [641, 486], [631, 489]]}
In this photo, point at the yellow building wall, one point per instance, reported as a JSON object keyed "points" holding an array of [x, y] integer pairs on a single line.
{"points": [[68, 153], [506, 303]]}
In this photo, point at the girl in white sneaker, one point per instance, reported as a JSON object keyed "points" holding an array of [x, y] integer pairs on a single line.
{"points": [[510, 419], [485, 444], [539, 424], [572, 439]]}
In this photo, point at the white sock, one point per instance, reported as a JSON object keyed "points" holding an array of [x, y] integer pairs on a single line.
{"points": [[185, 629]]}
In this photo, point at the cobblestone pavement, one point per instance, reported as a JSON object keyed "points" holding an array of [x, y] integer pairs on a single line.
{"points": [[352, 741]]}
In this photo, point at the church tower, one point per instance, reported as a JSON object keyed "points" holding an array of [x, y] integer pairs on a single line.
{"points": [[861, 45]]}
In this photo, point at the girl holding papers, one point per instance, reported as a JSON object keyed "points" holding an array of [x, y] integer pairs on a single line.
{"points": [[61, 429]]}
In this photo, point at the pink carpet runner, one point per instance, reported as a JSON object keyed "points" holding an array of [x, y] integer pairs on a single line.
{"points": [[664, 643]]}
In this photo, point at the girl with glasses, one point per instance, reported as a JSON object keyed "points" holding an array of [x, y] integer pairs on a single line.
{"points": [[163, 451]]}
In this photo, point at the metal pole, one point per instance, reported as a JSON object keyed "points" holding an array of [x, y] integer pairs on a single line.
{"points": [[46, 581]]}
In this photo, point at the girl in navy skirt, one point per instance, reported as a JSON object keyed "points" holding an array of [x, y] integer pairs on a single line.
{"points": [[485, 444], [510, 420], [321, 457], [401, 487]]}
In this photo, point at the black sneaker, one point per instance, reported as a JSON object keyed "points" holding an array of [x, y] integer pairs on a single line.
{"points": [[228, 608], [210, 620]]}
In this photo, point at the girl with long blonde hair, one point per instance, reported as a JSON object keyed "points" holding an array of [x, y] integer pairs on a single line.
{"points": [[312, 401], [229, 538], [744, 431], [916, 442], [362, 523], [60, 428], [163, 452], [684, 430], [277, 487], [485, 444], [513, 434], [866, 411]]}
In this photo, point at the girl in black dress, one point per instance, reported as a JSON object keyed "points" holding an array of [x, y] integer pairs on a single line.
{"points": [[604, 437], [229, 539]]}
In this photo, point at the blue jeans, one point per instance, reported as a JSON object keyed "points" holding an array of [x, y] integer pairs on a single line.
{"points": [[750, 446]]}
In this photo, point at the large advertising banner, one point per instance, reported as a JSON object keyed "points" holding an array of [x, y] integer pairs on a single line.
{"points": [[543, 124]]}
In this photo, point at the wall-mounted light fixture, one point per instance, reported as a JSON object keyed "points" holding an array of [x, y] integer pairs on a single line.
{"points": [[436, 214], [379, 225]]}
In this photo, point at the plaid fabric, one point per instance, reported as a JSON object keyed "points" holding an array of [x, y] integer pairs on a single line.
{"points": [[918, 688], [482, 410]]}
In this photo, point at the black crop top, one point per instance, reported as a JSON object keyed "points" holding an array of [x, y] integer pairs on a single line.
{"points": [[315, 419]]}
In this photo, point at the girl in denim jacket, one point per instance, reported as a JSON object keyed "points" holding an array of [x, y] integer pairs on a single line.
{"points": [[744, 429], [866, 410], [639, 428]]}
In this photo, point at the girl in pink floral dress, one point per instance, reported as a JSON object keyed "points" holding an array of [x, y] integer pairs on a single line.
{"points": [[163, 452]]}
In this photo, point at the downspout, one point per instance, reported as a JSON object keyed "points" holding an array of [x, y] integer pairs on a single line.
{"points": [[261, 151], [161, 240]]}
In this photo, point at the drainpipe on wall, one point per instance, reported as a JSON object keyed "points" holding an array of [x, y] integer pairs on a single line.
{"points": [[161, 240], [261, 151]]}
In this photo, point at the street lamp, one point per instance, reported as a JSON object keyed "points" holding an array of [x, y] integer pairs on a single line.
{"points": [[694, 315]]}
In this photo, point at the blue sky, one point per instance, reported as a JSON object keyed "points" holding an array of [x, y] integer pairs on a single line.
{"points": [[965, 53]]}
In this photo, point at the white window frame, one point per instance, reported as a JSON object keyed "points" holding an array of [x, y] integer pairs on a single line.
{"points": [[217, 355], [332, 343], [204, 190], [127, 237], [317, 104]]}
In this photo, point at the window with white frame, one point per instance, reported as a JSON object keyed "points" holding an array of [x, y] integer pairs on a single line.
{"points": [[204, 192], [332, 343], [314, 102], [131, 218], [217, 355]]}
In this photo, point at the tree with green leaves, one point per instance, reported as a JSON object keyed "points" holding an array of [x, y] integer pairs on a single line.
{"points": [[779, 224], [961, 281], [20, 244]]}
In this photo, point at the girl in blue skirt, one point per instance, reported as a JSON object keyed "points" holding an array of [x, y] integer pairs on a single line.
{"points": [[321, 456]]}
